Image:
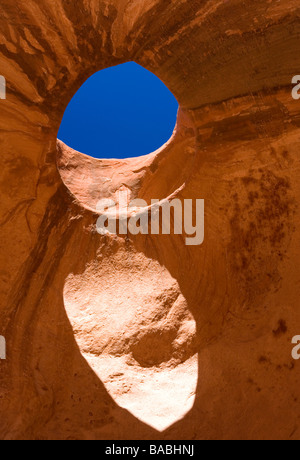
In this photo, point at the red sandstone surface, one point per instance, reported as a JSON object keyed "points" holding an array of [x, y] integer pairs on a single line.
{"points": [[144, 337]]}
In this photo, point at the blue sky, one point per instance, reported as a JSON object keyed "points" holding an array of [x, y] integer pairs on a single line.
{"points": [[120, 112]]}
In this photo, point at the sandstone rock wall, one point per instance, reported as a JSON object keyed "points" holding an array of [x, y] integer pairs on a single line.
{"points": [[232, 302]]}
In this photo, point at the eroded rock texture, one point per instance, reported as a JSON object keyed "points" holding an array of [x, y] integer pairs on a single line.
{"points": [[91, 321]]}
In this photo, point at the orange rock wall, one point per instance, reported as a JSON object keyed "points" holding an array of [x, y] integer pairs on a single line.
{"points": [[237, 142]]}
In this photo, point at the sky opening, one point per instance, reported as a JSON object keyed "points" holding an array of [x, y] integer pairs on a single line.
{"points": [[120, 112]]}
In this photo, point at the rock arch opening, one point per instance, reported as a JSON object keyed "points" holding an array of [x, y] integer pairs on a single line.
{"points": [[120, 112]]}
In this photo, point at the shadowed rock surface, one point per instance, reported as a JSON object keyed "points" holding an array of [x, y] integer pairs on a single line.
{"points": [[233, 303]]}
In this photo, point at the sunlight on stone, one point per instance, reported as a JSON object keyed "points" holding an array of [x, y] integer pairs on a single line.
{"points": [[132, 325]]}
